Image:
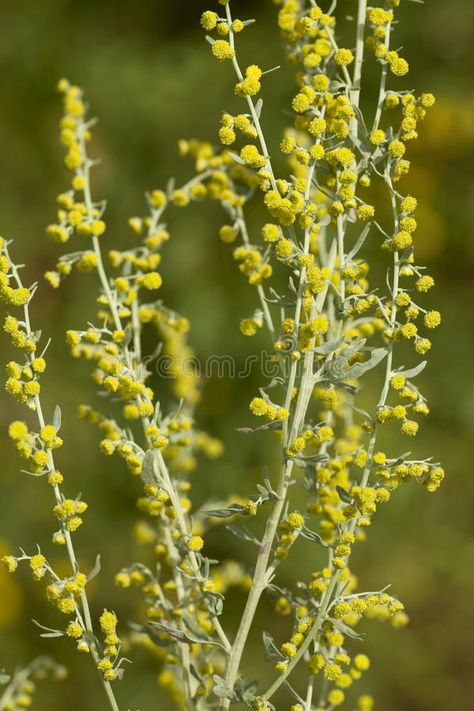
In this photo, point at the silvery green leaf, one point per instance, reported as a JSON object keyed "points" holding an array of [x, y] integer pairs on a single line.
{"points": [[57, 418], [400, 459], [328, 347], [151, 634], [273, 425], [266, 478], [337, 84], [178, 634], [355, 249], [225, 513], [215, 603], [50, 632], [280, 300], [232, 510], [321, 457], [338, 364], [172, 182], [258, 107], [4, 678], [345, 629], [272, 653], [351, 389], [148, 473], [243, 534], [222, 690], [355, 371], [413, 372], [312, 536], [95, 570], [360, 411], [325, 220], [344, 495], [236, 158], [274, 383]]}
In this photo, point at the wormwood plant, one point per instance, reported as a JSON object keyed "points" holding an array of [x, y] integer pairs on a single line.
{"points": [[340, 200]]}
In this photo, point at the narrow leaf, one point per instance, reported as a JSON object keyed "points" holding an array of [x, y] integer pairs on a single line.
{"points": [[413, 372], [57, 418]]}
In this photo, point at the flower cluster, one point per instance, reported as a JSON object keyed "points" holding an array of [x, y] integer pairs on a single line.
{"points": [[303, 249], [66, 591], [331, 326]]}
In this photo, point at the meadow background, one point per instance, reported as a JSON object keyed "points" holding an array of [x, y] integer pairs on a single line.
{"points": [[151, 79]]}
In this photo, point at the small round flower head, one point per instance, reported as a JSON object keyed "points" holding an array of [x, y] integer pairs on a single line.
{"points": [[209, 20], [365, 212], [10, 563], [98, 228], [39, 365], [397, 381], [361, 662], [151, 281], [17, 430], [195, 543], [74, 630], [377, 137], [270, 232], [344, 57], [336, 697], [258, 406], [398, 65], [228, 234], [409, 427], [432, 319], [249, 326], [424, 283], [427, 101], [317, 126], [227, 135], [332, 672], [108, 622], [396, 149], [222, 50], [295, 520], [316, 663]]}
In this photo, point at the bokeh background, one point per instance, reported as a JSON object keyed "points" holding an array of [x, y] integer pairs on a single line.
{"points": [[151, 79]]}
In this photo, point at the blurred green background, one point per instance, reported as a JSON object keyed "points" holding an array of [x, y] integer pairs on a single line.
{"points": [[151, 80]]}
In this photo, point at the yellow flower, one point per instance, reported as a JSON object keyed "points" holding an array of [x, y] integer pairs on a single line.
{"points": [[344, 57], [98, 228], [151, 281], [17, 430], [222, 50], [432, 319], [209, 20], [195, 543], [10, 563]]}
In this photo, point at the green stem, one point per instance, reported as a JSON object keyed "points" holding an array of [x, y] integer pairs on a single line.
{"points": [[359, 58], [174, 496], [310, 637], [383, 82], [67, 535], [251, 105]]}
